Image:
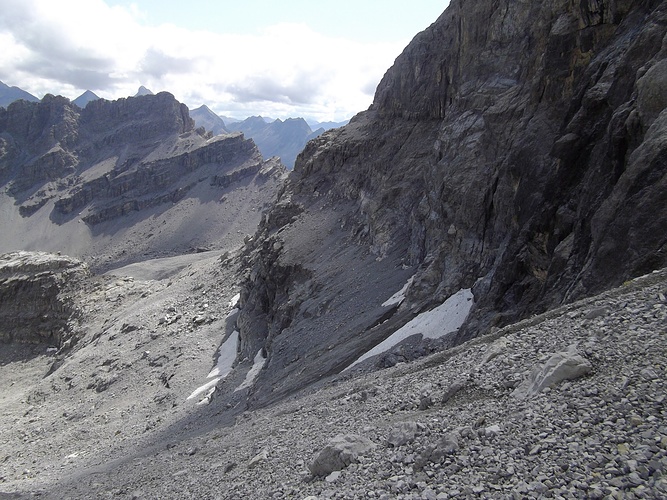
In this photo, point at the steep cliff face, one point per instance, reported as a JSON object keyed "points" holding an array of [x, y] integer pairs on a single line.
{"points": [[121, 180], [35, 297], [515, 148]]}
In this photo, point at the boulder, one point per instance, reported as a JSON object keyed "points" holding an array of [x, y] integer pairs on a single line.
{"points": [[402, 433], [340, 452], [566, 365]]}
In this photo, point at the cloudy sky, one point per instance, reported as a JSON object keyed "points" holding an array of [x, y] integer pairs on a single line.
{"points": [[279, 58]]}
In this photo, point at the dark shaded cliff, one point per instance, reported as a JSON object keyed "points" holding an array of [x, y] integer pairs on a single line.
{"points": [[515, 148]]}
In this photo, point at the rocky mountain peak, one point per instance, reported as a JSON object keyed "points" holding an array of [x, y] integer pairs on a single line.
{"points": [[143, 91], [85, 98], [10, 94]]}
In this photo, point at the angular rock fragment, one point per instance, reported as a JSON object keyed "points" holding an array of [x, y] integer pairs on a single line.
{"points": [[567, 365], [340, 452], [402, 433]]}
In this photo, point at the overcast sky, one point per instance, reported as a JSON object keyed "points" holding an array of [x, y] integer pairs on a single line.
{"points": [[320, 59]]}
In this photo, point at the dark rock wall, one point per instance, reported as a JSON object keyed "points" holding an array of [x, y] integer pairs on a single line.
{"points": [[514, 147]]}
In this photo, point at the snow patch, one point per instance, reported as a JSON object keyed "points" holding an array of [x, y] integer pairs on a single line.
{"points": [[226, 356], [399, 296], [210, 385], [258, 364], [235, 300], [446, 318]]}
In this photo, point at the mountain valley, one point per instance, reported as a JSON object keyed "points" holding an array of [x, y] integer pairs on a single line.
{"points": [[458, 294]]}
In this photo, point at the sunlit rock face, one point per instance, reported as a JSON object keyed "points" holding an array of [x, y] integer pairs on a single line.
{"points": [[515, 148], [36, 305], [118, 181]]}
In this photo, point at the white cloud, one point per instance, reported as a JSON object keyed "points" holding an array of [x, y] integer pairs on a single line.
{"points": [[286, 70]]}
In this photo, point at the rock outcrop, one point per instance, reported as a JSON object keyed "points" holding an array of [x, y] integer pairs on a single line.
{"points": [[514, 147], [133, 165], [36, 305]]}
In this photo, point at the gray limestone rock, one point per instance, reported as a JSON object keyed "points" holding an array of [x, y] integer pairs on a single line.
{"points": [[35, 297], [566, 365], [340, 452], [402, 433]]}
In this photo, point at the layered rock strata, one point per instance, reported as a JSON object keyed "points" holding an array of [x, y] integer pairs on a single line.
{"points": [[117, 181], [36, 304]]}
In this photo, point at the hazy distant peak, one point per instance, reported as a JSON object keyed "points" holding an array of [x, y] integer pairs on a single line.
{"points": [[143, 91], [85, 98], [205, 117], [10, 94]]}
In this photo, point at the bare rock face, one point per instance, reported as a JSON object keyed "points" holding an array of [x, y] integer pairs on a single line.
{"points": [[104, 181], [514, 147], [35, 296]]}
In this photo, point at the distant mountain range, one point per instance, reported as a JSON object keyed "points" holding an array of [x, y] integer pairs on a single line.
{"points": [[285, 139]]}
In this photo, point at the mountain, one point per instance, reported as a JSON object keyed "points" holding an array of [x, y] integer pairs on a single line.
{"points": [[85, 98], [460, 293], [102, 182], [10, 94], [204, 117], [328, 125], [143, 91], [285, 139], [499, 172]]}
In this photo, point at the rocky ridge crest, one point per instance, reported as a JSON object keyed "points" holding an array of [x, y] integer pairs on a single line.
{"points": [[115, 165]]}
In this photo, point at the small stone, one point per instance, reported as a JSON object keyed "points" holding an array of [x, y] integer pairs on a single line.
{"points": [[333, 477], [596, 313], [261, 457], [649, 374], [428, 494], [492, 431], [448, 444], [635, 420]]}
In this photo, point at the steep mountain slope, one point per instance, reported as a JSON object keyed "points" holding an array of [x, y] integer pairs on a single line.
{"points": [[284, 139], [515, 148], [204, 117], [10, 94], [126, 180], [85, 98]]}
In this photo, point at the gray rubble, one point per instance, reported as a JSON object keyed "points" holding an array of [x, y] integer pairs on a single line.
{"points": [[599, 435]]}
